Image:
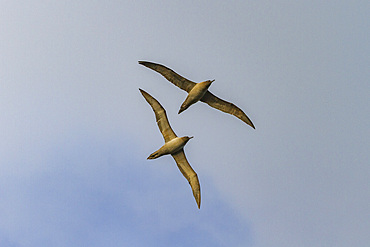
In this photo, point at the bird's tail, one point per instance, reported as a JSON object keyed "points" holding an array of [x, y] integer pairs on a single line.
{"points": [[154, 155], [183, 107]]}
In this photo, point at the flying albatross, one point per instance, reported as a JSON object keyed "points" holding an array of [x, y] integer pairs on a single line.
{"points": [[198, 91], [173, 145]]}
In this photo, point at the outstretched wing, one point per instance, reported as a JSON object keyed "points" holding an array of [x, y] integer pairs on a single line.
{"points": [[160, 116], [225, 106], [189, 174], [170, 75]]}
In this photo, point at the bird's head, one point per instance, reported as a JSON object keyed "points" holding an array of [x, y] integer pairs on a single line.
{"points": [[208, 83], [187, 138]]}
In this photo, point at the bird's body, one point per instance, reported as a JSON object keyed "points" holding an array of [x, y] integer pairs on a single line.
{"points": [[170, 147], [200, 92], [195, 94], [174, 145]]}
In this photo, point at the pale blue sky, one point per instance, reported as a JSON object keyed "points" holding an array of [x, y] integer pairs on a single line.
{"points": [[76, 131]]}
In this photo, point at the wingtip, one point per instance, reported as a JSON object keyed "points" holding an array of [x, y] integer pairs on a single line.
{"points": [[196, 194], [142, 62], [198, 201], [251, 124], [194, 183], [146, 95], [246, 120]]}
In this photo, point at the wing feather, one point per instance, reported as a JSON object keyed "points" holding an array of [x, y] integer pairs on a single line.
{"points": [[226, 107], [160, 116], [189, 174], [170, 75]]}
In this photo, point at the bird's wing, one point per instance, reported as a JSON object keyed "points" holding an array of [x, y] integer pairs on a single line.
{"points": [[189, 174], [160, 116], [170, 75], [225, 106]]}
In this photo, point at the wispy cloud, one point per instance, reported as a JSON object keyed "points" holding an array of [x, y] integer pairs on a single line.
{"points": [[94, 192]]}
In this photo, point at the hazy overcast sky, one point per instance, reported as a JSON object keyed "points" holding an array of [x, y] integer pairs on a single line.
{"points": [[76, 132]]}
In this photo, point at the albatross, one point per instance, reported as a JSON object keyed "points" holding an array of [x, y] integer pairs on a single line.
{"points": [[197, 92], [174, 145]]}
